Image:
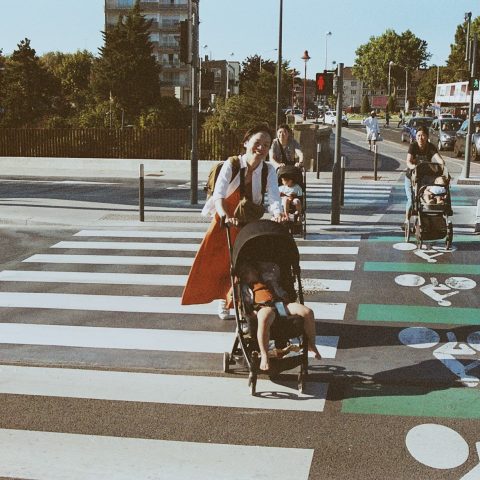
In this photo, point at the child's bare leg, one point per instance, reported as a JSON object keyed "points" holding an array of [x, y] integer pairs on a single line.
{"points": [[309, 324], [265, 317], [285, 203], [298, 205]]}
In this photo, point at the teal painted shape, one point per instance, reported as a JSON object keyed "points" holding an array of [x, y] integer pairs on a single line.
{"points": [[456, 268], [418, 314], [413, 402]]}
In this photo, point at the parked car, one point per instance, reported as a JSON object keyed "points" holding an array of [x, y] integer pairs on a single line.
{"points": [[461, 136], [409, 130], [443, 131], [331, 118], [295, 111]]}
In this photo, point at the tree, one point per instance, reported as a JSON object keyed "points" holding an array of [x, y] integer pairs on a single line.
{"points": [[372, 59], [365, 108], [169, 113], [251, 68], [127, 69], [28, 88], [392, 107], [457, 68]]}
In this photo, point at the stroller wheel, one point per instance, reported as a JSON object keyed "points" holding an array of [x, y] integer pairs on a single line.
{"points": [[226, 362], [449, 239], [301, 382]]}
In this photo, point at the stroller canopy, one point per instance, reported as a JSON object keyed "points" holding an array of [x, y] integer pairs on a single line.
{"points": [[265, 241]]}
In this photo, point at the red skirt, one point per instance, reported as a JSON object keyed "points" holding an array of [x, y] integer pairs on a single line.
{"points": [[209, 277]]}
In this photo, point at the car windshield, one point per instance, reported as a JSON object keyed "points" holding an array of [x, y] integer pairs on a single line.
{"points": [[426, 122], [451, 125]]}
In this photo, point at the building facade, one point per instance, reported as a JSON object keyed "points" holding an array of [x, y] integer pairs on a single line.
{"points": [[219, 79], [166, 15]]}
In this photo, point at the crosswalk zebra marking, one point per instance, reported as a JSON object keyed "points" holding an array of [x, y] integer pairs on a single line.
{"points": [[320, 284], [133, 338], [187, 247], [137, 304], [163, 261], [60, 456]]}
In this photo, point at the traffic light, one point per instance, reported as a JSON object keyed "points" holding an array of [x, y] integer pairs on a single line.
{"points": [[324, 83], [184, 42], [474, 84]]}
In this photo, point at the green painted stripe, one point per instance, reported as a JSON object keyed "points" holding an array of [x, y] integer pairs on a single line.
{"points": [[417, 314], [401, 238], [458, 268], [414, 402]]}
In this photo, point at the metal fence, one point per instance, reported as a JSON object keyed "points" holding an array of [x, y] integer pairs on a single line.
{"points": [[118, 143]]}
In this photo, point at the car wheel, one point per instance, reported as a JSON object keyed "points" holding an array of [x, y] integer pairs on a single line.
{"points": [[439, 146], [474, 154]]}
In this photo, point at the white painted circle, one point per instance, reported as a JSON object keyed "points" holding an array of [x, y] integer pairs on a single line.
{"points": [[404, 246], [460, 283], [409, 280], [419, 337], [474, 340], [437, 446]]}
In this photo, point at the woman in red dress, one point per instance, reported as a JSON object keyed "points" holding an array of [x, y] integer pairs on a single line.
{"points": [[209, 277]]}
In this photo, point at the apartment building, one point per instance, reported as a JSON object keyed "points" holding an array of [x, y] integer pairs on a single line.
{"points": [[175, 77], [225, 81]]}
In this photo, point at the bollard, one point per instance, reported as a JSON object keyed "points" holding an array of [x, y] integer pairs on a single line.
{"points": [[477, 219], [342, 180], [141, 194], [319, 151], [375, 161], [336, 194]]}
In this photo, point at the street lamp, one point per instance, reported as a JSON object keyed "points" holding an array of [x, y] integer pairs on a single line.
{"points": [[227, 75], [327, 34], [305, 58], [390, 64], [294, 73]]}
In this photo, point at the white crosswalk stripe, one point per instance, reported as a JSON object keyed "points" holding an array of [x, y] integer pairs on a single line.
{"points": [[52, 283]]}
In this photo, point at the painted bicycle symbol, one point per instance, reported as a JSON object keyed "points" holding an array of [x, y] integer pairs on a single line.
{"points": [[441, 447], [428, 254], [435, 290], [422, 337]]}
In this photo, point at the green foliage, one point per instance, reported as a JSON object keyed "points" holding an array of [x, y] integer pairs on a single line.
{"points": [[372, 59], [169, 113], [127, 69], [365, 108], [28, 91], [426, 88], [251, 68], [392, 107]]}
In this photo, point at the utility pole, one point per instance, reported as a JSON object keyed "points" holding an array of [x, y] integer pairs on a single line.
{"points": [[195, 98], [473, 72], [337, 167], [279, 67]]}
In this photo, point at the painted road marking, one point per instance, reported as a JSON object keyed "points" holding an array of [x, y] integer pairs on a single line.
{"points": [[187, 247], [187, 234], [60, 456], [137, 304], [159, 388], [310, 285], [411, 401], [434, 288], [418, 314], [165, 261], [399, 239], [437, 446], [447, 353], [133, 338], [455, 268]]}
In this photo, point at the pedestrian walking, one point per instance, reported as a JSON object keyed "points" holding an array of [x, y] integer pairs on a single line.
{"points": [[373, 129], [387, 119], [401, 120], [209, 277]]}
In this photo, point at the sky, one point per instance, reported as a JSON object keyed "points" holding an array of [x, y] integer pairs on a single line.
{"points": [[237, 29]]}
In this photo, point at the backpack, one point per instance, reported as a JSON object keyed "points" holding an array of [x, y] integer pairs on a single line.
{"points": [[235, 161]]}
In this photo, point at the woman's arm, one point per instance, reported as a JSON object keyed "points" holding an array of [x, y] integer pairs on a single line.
{"points": [[220, 192], [411, 162], [437, 158]]}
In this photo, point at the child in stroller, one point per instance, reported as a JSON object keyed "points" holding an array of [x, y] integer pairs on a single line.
{"points": [[292, 186], [290, 194], [264, 297], [435, 194]]}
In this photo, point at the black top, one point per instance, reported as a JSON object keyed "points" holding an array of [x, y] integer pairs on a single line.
{"points": [[420, 156]]}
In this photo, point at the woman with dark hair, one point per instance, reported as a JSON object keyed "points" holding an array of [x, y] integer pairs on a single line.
{"points": [[421, 150], [285, 148], [209, 277]]}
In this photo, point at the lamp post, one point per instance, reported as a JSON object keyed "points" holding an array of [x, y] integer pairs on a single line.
{"points": [[390, 64], [327, 34], [305, 58], [294, 74], [227, 75], [200, 82]]}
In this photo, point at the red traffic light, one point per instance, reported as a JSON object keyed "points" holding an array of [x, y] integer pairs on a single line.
{"points": [[324, 83]]}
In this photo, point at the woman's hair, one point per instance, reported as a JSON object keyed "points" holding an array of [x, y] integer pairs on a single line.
{"points": [[423, 128], [264, 128], [285, 127]]}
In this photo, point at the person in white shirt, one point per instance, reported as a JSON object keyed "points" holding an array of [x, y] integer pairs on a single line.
{"points": [[373, 129]]}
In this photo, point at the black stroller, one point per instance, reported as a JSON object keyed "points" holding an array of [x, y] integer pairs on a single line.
{"points": [[430, 221], [299, 224], [266, 241]]}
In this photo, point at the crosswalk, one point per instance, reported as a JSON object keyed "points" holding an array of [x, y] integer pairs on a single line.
{"points": [[354, 194], [123, 289]]}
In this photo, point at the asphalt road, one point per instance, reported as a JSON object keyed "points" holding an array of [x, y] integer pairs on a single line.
{"points": [[102, 374]]}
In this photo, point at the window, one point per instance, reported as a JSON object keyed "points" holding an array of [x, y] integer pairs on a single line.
{"points": [[125, 3], [353, 92], [353, 83]]}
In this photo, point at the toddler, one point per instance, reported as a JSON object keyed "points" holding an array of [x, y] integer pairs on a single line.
{"points": [[290, 193], [265, 298], [435, 194]]}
